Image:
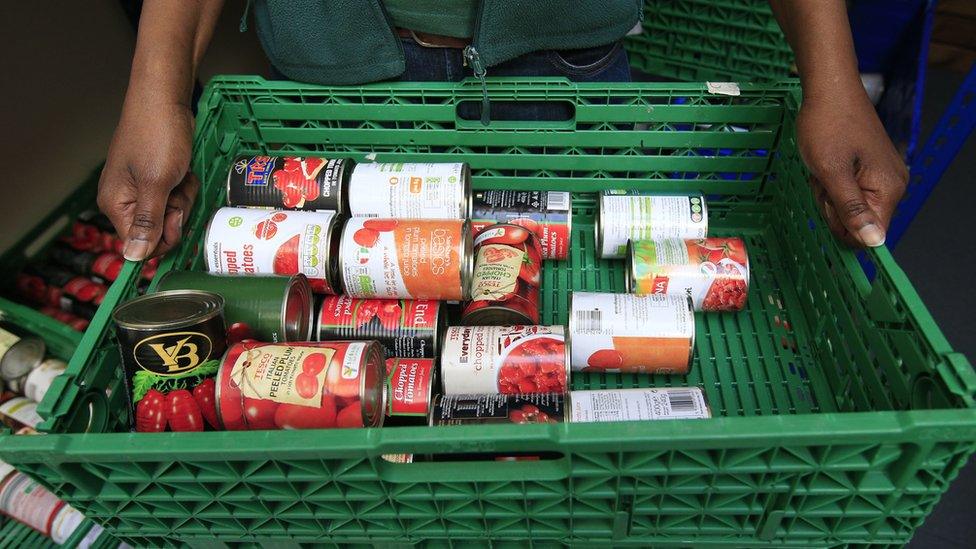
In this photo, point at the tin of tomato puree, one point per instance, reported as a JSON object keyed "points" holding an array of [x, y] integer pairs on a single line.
{"points": [[406, 328], [39, 379], [498, 409], [310, 385], [548, 214], [628, 333], [242, 241], [507, 274], [169, 341], [411, 190], [290, 182], [20, 353], [406, 258], [266, 308], [638, 405], [631, 215], [505, 359], [409, 390], [713, 271]]}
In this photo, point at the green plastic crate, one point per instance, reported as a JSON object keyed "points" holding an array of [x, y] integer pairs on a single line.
{"points": [[842, 414], [14, 535], [697, 40]]}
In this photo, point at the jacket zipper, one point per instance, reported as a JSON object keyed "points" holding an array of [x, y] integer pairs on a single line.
{"points": [[473, 60]]}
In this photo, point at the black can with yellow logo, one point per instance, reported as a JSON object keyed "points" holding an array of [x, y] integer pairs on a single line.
{"points": [[171, 343]]}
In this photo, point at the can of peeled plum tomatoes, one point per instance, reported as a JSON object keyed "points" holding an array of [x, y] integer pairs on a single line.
{"points": [[242, 241], [311, 385], [505, 359], [713, 271], [266, 308], [409, 328], [409, 390], [548, 214], [289, 182], [498, 409], [406, 258], [628, 333], [411, 190], [631, 215], [507, 274]]}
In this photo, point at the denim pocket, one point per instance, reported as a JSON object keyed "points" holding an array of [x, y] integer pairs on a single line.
{"points": [[585, 62]]}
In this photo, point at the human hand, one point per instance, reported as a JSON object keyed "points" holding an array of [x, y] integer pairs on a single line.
{"points": [[146, 188], [857, 174]]}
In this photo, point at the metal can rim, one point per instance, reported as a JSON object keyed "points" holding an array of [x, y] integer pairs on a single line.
{"points": [[467, 260], [298, 283], [467, 198], [343, 286], [630, 281], [216, 307], [12, 372], [206, 239], [466, 319], [598, 225], [373, 351]]}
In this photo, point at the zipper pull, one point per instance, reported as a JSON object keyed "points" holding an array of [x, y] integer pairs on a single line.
{"points": [[473, 60], [247, 11]]}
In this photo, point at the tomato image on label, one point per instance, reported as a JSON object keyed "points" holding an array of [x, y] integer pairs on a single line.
{"points": [[504, 359], [406, 328], [506, 279]]}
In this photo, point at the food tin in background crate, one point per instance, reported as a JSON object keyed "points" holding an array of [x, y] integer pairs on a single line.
{"points": [[840, 412]]}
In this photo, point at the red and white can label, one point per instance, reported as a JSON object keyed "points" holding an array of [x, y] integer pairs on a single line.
{"points": [[638, 405], [23, 499], [545, 213], [242, 241], [405, 327], [408, 386], [504, 359], [713, 271], [409, 190]]}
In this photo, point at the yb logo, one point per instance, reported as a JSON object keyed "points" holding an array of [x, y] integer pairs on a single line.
{"points": [[171, 354]]}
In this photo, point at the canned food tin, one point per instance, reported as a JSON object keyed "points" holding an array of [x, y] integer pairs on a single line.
{"points": [[20, 352], [89, 236], [713, 271], [243, 241], [312, 385], [169, 342], [498, 409], [638, 405], [20, 412], [630, 215], [507, 274], [290, 182], [266, 308], [105, 266], [406, 328], [548, 214], [409, 390], [75, 322], [39, 379], [29, 503], [505, 359], [411, 190], [629, 333], [406, 258]]}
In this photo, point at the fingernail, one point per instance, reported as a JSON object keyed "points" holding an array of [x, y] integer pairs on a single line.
{"points": [[135, 250], [871, 235], [179, 220]]}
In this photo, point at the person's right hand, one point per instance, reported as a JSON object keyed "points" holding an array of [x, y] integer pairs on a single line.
{"points": [[146, 189]]}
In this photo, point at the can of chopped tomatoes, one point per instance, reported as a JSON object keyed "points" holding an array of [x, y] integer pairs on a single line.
{"points": [[630, 215], [409, 390], [714, 272], [408, 328], [505, 359], [629, 333], [242, 241], [266, 308], [406, 258], [506, 278], [311, 385], [548, 214], [290, 182], [637, 405], [490, 409], [411, 190], [26, 501]]}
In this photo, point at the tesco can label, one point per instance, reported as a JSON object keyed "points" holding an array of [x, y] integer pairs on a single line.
{"points": [[409, 190], [628, 216]]}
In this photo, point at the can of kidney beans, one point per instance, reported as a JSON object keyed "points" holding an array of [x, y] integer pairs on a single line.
{"points": [[290, 182], [628, 333], [505, 359], [713, 271], [490, 409], [506, 279], [409, 390], [638, 405], [548, 214], [167, 341], [266, 308], [406, 258], [406, 328], [242, 241], [26, 501], [310, 385], [411, 190], [631, 215], [39, 379]]}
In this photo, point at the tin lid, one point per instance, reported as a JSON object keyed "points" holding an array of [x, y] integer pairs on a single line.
{"points": [[296, 310], [630, 283], [22, 357], [467, 260], [168, 310], [372, 389], [467, 206]]}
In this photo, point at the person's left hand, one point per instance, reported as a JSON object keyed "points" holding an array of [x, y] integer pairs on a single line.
{"points": [[857, 174]]}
